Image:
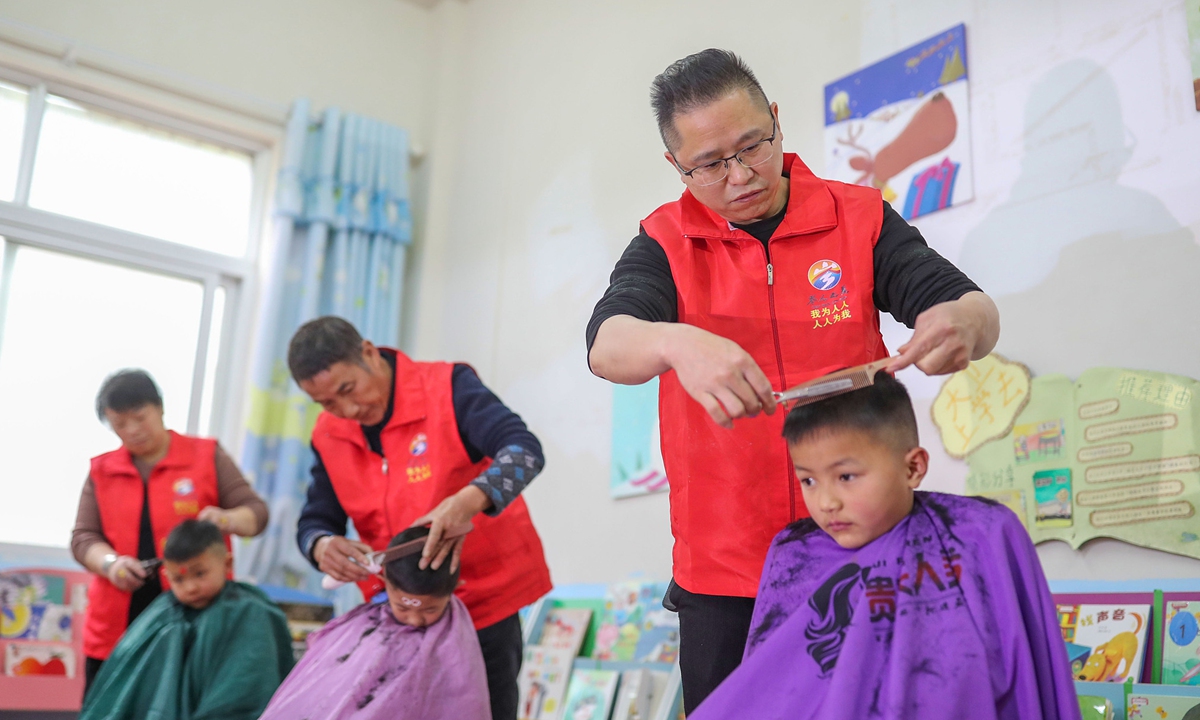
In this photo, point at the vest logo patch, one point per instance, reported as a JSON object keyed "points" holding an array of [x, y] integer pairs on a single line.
{"points": [[419, 445], [825, 275], [184, 486], [187, 508], [419, 473]]}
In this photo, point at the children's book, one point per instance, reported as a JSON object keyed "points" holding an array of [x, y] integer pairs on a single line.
{"points": [[591, 694], [1181, 639], [1093, 707], [658, 690], [1115, 635], [543, 682], [633, 701], [659, 637], [1160, 702], [1108, 696], [566, 628], [625, 608]]}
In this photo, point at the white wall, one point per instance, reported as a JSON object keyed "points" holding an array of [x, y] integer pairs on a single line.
{"points": [[1085, 218], [544, 161], [368, 56]]}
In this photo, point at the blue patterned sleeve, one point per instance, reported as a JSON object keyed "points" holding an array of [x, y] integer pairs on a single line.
{"points": [[511, 470]]}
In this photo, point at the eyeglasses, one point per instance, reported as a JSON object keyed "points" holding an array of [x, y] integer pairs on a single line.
{"points": [[717, 170]]}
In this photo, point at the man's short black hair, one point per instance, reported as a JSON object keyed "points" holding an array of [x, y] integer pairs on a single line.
{"points": [[696, 81], [191, 539], [405, 574], [321, 343], [127, 389], [883, 409]]}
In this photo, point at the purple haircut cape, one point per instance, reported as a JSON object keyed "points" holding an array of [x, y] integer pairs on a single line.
{"points": [[947, 615], [365, 665]]}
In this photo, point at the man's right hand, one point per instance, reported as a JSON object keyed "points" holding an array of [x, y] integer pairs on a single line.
{"points": [[333, 553], [717, 373]]}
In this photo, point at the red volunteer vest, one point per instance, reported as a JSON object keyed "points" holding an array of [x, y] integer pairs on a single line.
{"points": [[503, 568], [800, 310], [180, 485]]}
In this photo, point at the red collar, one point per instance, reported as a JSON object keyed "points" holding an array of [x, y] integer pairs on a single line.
{"points": [[408, 403], [810, 209], [179, 454]]}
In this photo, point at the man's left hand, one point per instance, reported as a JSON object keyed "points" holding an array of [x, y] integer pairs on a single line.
{"points": [[948, 336], [452, 513]]}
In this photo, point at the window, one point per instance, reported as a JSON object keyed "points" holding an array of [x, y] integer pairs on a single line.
{"points": [[126, 240], [12, 119], [97, 167]]}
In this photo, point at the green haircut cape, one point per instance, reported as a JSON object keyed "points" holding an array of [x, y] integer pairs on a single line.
{"points": [[175, 663]]}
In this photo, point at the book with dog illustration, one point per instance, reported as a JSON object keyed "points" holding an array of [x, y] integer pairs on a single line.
{"points": [[1115, 636]]}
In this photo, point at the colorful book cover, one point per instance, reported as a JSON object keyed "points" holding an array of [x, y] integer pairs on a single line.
{"points": [[1181, 644], [1115, 634], [625, 608], [1093, 707], [566, 628], [39, 659], [635, 697], [1158, 706], [1112, 695], [32, 607], [591, 694], [659, 637], [543, 682]]}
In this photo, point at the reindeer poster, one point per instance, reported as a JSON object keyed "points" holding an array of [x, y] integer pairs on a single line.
{"points": [[902, 125]]}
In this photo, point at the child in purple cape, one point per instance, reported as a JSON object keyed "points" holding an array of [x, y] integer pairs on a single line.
{"points": [[415, 657], [892, 603]]}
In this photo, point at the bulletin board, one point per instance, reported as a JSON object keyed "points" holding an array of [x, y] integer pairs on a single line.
{"points": [[1113, 454]]}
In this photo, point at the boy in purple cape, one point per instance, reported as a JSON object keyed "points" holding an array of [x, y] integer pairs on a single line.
{"points": [[415, 657], [892, 603]]}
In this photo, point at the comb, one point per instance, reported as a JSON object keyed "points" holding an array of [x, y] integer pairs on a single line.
{"points": [[376, 560], [836, 383]]}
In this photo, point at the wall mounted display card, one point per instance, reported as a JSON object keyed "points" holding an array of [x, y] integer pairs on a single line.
{"points": [[903, 125], [1052, 491], [637, 464], [1114, 454]]}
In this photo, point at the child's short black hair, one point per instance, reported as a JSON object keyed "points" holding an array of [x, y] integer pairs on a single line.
{"points": [[404, 573], [190, 539], [883, 409]]}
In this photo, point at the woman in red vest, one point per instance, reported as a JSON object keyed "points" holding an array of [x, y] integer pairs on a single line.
{"points": [[759, 277], [136, 495]]}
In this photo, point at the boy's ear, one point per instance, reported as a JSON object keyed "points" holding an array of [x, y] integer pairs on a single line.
{"points": [[917, 462], [228, 563]]}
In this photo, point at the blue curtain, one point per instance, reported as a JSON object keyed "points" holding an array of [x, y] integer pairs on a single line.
{"points": [[341, 228]]}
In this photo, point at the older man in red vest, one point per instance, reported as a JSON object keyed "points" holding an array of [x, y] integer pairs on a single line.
{"points": [[759, 277], [405, 443]]}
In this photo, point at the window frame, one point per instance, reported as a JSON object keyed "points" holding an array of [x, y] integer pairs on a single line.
{"points": [[21, 224]]}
